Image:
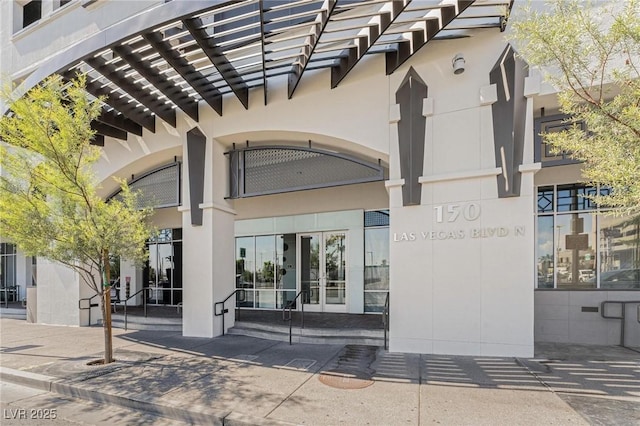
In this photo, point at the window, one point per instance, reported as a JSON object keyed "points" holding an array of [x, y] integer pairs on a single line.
{"points": [[34, 271], [544, 153], [7, 265], [57, 4], [31, 12], [163, 271], [577, 248], [266, 270], [376, 259]]}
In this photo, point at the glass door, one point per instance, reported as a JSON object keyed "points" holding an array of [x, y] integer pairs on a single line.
{"points": [[323, 263]]}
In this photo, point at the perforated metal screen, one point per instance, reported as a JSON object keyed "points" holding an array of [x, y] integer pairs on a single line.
{"points": [[158, 188], [275, 170], [376, 218]]}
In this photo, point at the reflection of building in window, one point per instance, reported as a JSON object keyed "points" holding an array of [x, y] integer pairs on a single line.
{"points": [[7, 265], [163, 271], [34, 271], [266, 270], [376, 260], [577, 248]]}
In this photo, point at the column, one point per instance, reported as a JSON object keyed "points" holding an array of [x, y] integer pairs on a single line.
{"points": [[208, 236]]}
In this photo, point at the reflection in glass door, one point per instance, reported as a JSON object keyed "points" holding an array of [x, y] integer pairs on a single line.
{"points": [[163, 270], [323, 264], [310, 268]]}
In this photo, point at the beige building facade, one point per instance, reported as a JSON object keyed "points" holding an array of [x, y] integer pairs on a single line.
{"points": [[365, 153]]}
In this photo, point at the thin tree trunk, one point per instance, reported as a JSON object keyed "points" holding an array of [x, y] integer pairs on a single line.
{"points": [[106, 312]]}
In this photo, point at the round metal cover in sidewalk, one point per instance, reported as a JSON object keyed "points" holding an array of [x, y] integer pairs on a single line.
{"points": [[344, 380], [351, 368]]}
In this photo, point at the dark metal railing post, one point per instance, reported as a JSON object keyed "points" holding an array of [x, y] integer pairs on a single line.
{"points": [[385, 321], [288, 307], [622, 317], [91, 305], [143, 290], [223, 311], [290, 327]]}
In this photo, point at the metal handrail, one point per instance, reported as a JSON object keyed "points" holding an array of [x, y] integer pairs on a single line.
{"points": [[385, 321], [144, 303], [623, 307], [91, 305], [223, 311], [288, 317]]}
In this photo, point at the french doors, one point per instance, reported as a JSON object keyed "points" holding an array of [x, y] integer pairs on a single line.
{"points": [[323, 270]]}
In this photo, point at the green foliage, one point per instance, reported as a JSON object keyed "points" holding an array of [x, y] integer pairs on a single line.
{"points": [[49, 204], [591, 52]]}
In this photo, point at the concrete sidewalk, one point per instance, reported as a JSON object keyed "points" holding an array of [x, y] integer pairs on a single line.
{"points": [[236, 380]]}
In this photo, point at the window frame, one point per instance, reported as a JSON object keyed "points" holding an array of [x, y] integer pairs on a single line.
{"points": [[588, 207]]}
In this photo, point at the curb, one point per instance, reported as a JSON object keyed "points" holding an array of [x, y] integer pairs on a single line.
{"points": [[196, 414]]}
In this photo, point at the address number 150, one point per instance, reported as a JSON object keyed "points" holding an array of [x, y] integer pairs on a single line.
{"points": [[451, 212]]}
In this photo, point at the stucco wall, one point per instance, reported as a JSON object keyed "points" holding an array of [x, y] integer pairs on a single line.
{"points": [[460, 283], [561, 317]]}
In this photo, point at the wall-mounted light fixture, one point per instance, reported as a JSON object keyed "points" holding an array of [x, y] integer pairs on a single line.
{"points": [[458, 64]]}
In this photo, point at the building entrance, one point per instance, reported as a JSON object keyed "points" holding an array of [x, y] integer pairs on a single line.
{"points": [[322, 265]]}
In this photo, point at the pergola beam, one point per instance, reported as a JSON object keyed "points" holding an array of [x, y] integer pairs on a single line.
{"points": [[199, 82], [420, 37], [309, 48], [146, 98], [218, 59], [119, 121], [353, 56], [106, 130], [128, 109], [160, 82]]}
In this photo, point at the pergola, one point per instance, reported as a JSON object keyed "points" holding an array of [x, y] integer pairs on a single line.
{"points": [[184, 53]]}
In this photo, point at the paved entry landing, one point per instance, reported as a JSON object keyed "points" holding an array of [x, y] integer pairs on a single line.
{"points": [[313, 319]]}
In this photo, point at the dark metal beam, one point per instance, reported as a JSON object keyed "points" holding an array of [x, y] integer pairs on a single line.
{"points": [[217, 58], [419, 38], [262, 44], [119, 121], [106, 130], [146, 98], [307, 50], [199, 82], [352, 56], [128, 109], [160, 82], [98, 140]]}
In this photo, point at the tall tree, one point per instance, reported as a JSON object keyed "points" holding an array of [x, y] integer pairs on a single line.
{"points": [[590, 51], [49, 206]]}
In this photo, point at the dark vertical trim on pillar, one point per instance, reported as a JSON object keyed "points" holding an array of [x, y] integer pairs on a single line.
{"points": [[411, 132], [196, 147], [234, 174], [509, 120]]}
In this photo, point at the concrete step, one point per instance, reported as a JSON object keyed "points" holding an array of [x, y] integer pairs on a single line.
{"points": [[146, 323], [13, 313], [322, 336]]}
